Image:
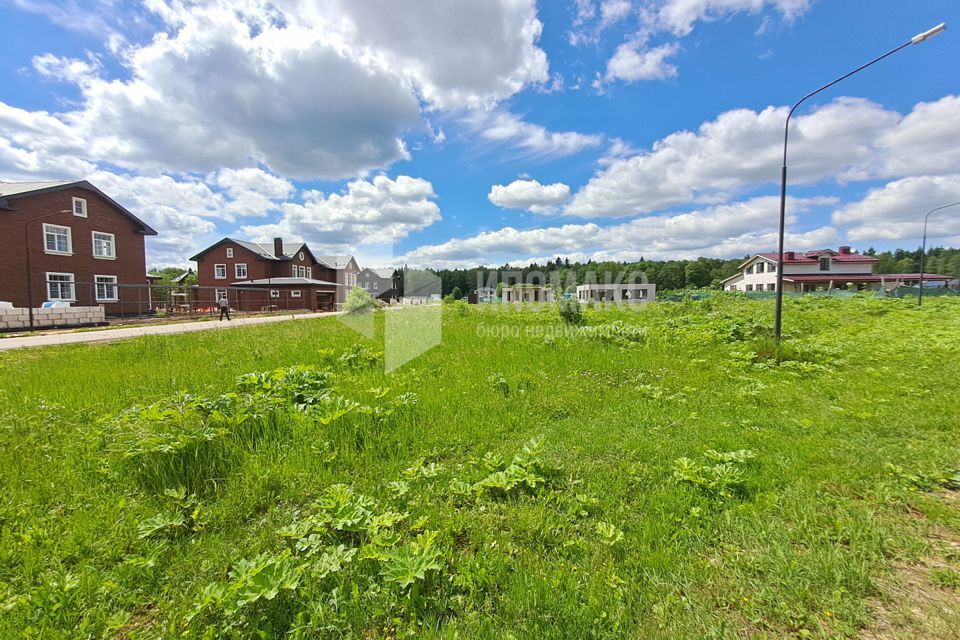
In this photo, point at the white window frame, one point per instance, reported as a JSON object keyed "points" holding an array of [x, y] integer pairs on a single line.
{"points": [[301, 255], [309, 273], [229, 252], [376, 285], [113, 245], [71, 282], [113, 285], [294, 270], [82, 213], [274, 293], [220, 294], [216, 272], [236, 270], [296, 293], [47, 228]]}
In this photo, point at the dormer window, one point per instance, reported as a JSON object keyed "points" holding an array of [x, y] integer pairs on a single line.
{"points": [[825, 263], [80, 207]]}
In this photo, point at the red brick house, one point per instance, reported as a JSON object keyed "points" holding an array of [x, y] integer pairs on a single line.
{"points": [[76, 243], [256, 277]]}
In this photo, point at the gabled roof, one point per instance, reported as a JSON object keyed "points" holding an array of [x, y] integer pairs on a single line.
{"points": [[380, 273], [814, 256], [14, 190], [335, 262], [264, 250], [17, 188]]}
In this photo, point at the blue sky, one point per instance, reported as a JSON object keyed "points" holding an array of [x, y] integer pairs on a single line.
{"points": [[481, 132]]}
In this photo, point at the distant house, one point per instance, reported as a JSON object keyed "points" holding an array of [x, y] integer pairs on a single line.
{"points": [[82, 246], [482, 294], [345, 270], [817, 270], [256, 276], [379, 282], [624, 292], [526, 293]]}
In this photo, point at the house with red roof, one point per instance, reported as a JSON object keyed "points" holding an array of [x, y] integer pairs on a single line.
{"points": [[821, 270]]}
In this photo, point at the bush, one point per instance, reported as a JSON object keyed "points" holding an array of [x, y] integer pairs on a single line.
{"points": [[359, 300], [570, 312]]}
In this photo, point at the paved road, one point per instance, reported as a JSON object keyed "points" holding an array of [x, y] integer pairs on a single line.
{"points": [[103, 335]]}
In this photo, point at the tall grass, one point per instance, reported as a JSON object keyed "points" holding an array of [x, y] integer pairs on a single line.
{"points": [[655, 472]]}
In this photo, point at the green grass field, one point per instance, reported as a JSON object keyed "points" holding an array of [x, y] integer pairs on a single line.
{"points": [[655, 473]]}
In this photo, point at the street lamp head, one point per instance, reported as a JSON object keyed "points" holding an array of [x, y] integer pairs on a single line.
{"points": [[926, 35]]}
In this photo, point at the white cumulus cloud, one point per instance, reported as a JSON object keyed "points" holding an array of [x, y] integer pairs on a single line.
{"points": [[530, 195], [728, 230], [377, 211], [845, 140]]}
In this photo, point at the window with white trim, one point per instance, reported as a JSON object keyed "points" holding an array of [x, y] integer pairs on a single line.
{"points": [[60, 286], [310, 273], [220, 271], [295, 293], [274, 293], [106, 288], [221, 294], [295, 270], [749, 287], [825, 263], [57, 239], [240, 269], [229, 252], [80, 207], [376, 285], [104, 245]]}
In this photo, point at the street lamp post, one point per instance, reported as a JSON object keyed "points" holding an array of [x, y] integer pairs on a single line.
{"points": [[923, 249], [778, 309], [26, 234]]}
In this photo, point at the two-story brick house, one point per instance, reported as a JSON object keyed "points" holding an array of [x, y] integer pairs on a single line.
{"points": [[347, 272], [379, 282], [69, 241], [256, 276], [816, 270]]}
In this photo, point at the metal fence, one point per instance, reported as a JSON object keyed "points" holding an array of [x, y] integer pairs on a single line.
{"points": [[158, 301]]}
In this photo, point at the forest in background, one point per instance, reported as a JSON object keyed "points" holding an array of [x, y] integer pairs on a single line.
{"points": [[676, 274]]}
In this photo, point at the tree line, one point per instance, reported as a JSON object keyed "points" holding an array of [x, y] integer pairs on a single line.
{"points": [[667, 274]]}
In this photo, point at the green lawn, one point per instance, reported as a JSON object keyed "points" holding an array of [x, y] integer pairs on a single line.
{"points": [[657, 473]]}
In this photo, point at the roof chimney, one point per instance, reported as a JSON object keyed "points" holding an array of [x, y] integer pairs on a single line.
{"points": [[844, 251], [789, 255], [278, 247]]}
